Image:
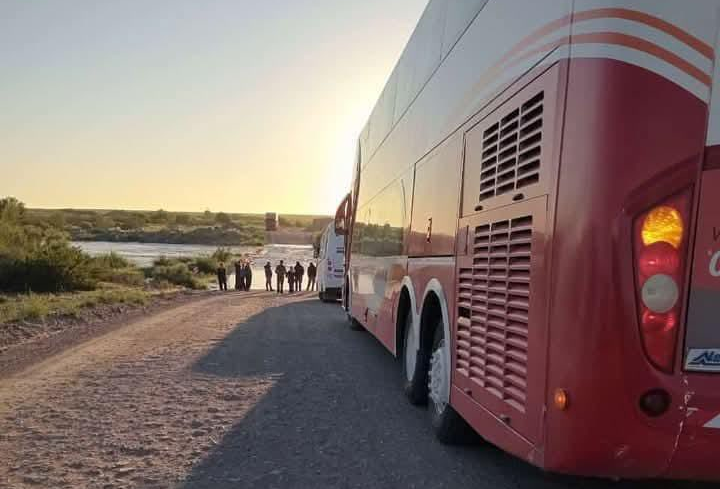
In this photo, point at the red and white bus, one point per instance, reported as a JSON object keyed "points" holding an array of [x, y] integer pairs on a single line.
{"points": [[534, 226]]}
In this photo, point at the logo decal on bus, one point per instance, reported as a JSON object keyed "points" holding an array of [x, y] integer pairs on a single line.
{"points": [[715, 265], [703, 360]]}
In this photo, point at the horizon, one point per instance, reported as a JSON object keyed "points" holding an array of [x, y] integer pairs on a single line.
{"points": [[214, 211], [169, 105]]}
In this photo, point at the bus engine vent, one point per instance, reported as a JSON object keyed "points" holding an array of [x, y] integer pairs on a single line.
{"points": [[493, 310], [511, 150]]}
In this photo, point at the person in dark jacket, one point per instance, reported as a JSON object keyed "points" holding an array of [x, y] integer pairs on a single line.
{"points": [[268, 277], [238, 276], [291, 280], [222, 276], [312, 274], [299, 273], [248, 276], [280, 272]]}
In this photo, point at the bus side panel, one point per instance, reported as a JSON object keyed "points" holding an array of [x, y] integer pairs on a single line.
{"points": [[397, 269], [436, 200], [378, 262], [632, 139], [503, 261], [441, 269]]}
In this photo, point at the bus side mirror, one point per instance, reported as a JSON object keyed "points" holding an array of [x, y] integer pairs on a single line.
{"points": [[341, 217]]}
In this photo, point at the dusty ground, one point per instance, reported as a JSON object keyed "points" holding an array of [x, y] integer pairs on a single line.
{"points": [[27, 342], [235, 391]]}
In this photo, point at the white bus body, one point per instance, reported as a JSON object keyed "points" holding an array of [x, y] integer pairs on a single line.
{"points": [[331, 265]]}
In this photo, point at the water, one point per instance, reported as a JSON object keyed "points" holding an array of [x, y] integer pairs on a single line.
{"points": [[143, 254]]}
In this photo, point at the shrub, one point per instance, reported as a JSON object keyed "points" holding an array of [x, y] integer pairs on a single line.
{"points": [[178, 274], [222, 255], [11, 209], [112, 260], [34, 307], [130, 276], [162, 284], [162, 261], [55, 267], [205, 264], [182, 219], [223, 219]]}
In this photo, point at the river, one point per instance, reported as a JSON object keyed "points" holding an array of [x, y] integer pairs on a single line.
{"points": [[143, 254]]}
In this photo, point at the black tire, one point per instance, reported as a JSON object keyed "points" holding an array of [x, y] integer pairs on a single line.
{"points": [[415, 386], [354, 324], [449, 427]]}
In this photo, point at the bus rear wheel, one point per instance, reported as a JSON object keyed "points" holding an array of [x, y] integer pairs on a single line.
{"points": [[447, 424], [354, 323], [414, 365]]}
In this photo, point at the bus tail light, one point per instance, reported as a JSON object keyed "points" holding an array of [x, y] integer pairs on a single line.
{"points": [[660, 243]]}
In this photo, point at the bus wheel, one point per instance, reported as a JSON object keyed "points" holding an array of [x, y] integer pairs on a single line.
{"points": [[354, 323], [414, 366], [449, 427]]}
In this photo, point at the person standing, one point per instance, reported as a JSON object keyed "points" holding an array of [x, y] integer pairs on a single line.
{"points": [[280, 272], [299, 273], [312, 273], [268, 277], [222, 277], [291, 280], [248, 276], [238, 276]]}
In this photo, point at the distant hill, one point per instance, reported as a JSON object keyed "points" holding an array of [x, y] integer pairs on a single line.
{"points": [[210, 228]]}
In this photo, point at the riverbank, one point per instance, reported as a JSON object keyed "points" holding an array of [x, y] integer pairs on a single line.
{"points": [[184, 228], [145, 254], [211, 236]]}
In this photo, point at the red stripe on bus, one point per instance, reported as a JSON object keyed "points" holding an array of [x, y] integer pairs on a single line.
{"points": [[646, 47], [650, 20], [624, 40], [613, 13]]}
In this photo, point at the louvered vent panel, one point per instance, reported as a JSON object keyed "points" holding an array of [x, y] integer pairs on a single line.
{"points": [[511, 150], [493, 310]]}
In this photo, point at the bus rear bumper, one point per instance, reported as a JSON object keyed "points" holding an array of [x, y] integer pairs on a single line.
{"points": [[696, 455]]}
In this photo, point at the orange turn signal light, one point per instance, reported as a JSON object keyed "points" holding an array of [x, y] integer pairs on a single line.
{"points": [[561, 399], [663, 224]]}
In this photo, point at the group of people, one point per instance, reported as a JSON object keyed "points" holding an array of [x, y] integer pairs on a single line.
{"points": [[243, 275], [293, 275]]}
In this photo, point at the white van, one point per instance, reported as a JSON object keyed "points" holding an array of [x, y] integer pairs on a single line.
{"points": [[331, 264]]}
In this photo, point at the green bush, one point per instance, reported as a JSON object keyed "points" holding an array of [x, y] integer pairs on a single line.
{"points": [[205, 264], [178, 274], [35, 307], [162, 261], [222, 255], [130, 276], [39, 259], [55, 267], [112, 260]]}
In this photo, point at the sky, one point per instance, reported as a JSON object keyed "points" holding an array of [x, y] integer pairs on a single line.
{"points": [[187, 105]]}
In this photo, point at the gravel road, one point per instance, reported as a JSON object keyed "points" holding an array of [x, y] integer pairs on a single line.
{"points": [[236, 391]]}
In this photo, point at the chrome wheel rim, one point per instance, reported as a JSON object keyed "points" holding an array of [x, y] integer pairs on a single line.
{"points": [[410, 352], [438, 382]]}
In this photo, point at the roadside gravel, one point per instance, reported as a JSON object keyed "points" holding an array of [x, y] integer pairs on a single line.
{"points": [[236, 391]]}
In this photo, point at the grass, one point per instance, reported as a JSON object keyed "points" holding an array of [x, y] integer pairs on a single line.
{"points": [[34, 307]]}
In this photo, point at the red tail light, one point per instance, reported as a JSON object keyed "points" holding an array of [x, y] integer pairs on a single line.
{"points": [[660, 243]]}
